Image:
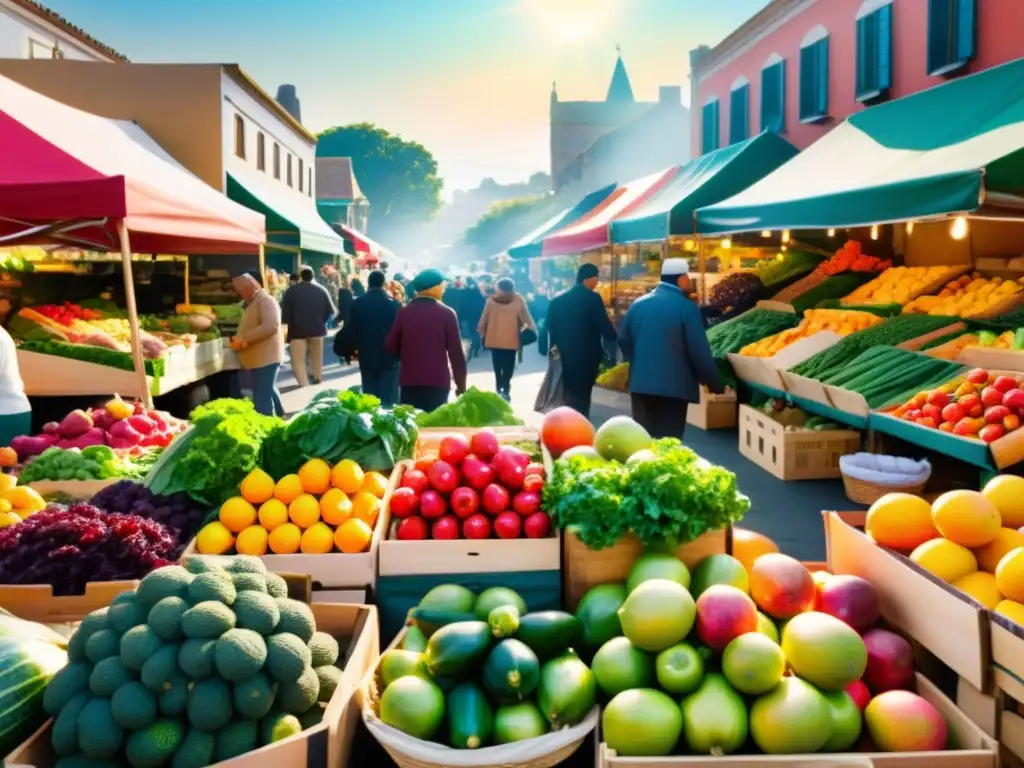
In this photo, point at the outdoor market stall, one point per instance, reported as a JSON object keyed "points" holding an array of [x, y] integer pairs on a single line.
{"points": [[91, 183], [532, 244]]}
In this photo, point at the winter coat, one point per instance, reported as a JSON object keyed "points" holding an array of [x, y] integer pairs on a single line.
{"points": [[260, 328], [505, 316], [345, 300], [578, 325], [425, 338], [365, 332], [306, 309]]}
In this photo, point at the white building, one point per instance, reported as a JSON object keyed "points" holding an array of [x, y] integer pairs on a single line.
{"points": [[30, 30]]}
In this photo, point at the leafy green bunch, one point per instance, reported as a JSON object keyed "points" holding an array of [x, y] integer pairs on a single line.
{"points": [[475, 408], [666, 501]]}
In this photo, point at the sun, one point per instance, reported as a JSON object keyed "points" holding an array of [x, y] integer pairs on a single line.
{"points": [[571, 21]]}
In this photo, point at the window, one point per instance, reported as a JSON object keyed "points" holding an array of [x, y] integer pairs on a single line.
{"points": [[814, 76], [240, 136], [874, 49], [261, 151], [289, 169], [302, 176], [310, 185], [709, 127], [739, 111], [951, 38], [773, 95], [38, 50], [277, 160]]}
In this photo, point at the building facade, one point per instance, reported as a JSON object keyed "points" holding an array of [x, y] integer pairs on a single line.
{"points": [[338, 197], [800, 67], [30, 30]]}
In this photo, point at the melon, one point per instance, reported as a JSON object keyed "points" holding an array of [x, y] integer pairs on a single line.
{"points": [[620, 437], [26, 667], [824, 650]]}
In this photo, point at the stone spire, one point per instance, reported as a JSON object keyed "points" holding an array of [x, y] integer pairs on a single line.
{"points": [[620, 88]]}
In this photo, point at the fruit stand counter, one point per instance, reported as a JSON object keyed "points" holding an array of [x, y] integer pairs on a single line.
{"points": [[50, 375]]}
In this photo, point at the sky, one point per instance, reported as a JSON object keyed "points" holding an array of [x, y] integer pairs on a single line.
{"points": [[469, 79]]}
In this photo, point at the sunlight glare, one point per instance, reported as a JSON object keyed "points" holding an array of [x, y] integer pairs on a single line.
{"points": [[571, 21]]}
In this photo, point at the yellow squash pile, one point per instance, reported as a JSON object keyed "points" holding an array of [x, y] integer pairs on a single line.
{"points": [[967, 296], [841, 321], [898, 285]]}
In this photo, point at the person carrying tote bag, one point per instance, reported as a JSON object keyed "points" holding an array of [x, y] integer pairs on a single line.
{"points": [[504, 319]]}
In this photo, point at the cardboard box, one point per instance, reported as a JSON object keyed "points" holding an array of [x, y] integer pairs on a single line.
{"points": [[713, 411], [36, 602], [795, 455], [586, 568], [944, 620], [767, 371], [429, 439], [974, 749], [327, 744], [1006, 640]]}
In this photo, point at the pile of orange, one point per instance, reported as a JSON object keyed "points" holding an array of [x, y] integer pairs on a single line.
{"points": [[973, 540], [319, 510]]}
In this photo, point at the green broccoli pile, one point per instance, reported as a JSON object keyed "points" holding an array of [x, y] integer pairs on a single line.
{"points": [[200, 664]]}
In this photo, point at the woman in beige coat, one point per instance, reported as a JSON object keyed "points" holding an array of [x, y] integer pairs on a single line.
{"points": [[258, 343], [504, 319]]}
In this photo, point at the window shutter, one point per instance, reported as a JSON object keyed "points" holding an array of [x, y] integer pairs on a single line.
{"points": [[738, 106], [863, 66], [883, 35], [709, 127], [808, 83], [965, 29], [940, 19], [821, 70], [773, 97]]}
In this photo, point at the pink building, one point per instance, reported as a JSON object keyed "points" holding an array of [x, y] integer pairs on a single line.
{"points": [[800, 67]]}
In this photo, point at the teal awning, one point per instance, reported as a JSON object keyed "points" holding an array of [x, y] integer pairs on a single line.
{"points": [[706, 180], [292, 221], [957, 148], [533, 244]]}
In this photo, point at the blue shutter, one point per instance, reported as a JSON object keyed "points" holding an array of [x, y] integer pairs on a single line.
{"points": [[965, 29], [863, 53], [773, 97], [814, 80], [884, 47], [709, 127], [738, 114], [874, 54], [821, 70], [940, 21]]}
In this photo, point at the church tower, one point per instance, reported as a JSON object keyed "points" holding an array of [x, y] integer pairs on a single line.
{"points": [[620, 90]]}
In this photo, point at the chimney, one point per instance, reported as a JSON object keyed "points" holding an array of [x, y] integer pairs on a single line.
{"points": [[670, 94], [288, 97], [697, 54]]}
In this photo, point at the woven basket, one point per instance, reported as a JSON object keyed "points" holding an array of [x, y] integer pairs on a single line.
{"points": [[863, 492], [408, 752]]}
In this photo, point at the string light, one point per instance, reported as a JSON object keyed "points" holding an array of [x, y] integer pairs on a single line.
{"points": [[910, 228], [765, 233], [727, 243], [785, 235], [831, 233], [874, 232], [959, 229], [785, 248], [689, 245]]}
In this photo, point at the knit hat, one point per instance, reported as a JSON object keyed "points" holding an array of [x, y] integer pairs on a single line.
{"points": [[427, 279]]}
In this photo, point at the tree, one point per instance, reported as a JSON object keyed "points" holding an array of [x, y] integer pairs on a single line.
{"points": [[398, 177], [506, 221]]}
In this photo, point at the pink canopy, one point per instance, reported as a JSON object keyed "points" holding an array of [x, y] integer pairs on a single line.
{"points": [[591, 231], [365, 247], [61, 167]]}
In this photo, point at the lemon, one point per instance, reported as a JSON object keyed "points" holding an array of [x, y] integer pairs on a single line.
{"points": [[236, 513], [335, 507], [318, 539], [315, 476], [252, 541], [273, 513], [347, 476], [214, 539], [304, 511], [7, 519], [6, 506], [288, 489], [284, 540], [257, 487], [946, 559], [982, 587], [1012, 610]]}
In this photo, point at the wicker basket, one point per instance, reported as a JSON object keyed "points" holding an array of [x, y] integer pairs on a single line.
{"points": [[863, 492], [408, 752]]}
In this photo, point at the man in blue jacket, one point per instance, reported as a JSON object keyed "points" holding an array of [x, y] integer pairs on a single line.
{"points": [[363, 335], [663, 339]]}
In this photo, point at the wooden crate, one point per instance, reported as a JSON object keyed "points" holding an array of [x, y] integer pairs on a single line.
{"points": [[713, 411], [797, 455]]}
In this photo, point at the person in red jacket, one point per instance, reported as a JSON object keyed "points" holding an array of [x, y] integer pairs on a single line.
{"points": [[426, 340]]}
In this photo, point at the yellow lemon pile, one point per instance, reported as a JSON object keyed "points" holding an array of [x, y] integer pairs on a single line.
{"points": [[17, 501], [318, 510]]}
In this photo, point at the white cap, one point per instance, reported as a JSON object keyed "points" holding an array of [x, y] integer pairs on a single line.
{"points": [[675, 267]]}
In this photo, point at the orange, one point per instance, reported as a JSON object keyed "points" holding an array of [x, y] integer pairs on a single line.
{"points": [[990, 554], [304, 511], [288, 489], [1010, 575], [747, 546], [347, 476], [365, 507], [318, 539], [901, 521], [273, 513], [982, 587], [966, 517], [335, 507], [284, 540], [1007, 493], [252, 541], [377, 484], [237, 514], [946, 559], [353, 536], [1012, 610], [7, 481], [257, 487], [315, 476]]}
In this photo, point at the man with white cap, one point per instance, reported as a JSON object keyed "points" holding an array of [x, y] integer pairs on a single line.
{"points": [[663, 339]]}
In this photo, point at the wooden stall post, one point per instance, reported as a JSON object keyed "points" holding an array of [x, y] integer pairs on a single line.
{"points": [[702, 269], [133, 313], [263, 265], [188, 291]]}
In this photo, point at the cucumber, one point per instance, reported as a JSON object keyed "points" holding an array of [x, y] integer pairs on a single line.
{"points": [[457, 648], [397, 663], [511, 671], [518, 722], [567, 691], [550, 633], [414, 639], [470, 719], [504, 621], [429, 620], [495, 597]]}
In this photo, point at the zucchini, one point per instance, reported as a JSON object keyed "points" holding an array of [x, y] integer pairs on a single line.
{"points": [[567, 690], [456, 649], [470, 719], [429, 620], [414, 639], [549, 633], [511, 671], [397, 663]]}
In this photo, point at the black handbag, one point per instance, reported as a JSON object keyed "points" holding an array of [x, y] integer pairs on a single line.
{"points": [[527, 336]]}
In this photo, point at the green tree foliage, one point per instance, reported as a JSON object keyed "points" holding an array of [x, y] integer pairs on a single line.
{"points": [[506, 222], [398, 177]]}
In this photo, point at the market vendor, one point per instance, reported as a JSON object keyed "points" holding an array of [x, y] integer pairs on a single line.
{"points": [[15, 411], [662, 338], [258, 343]]}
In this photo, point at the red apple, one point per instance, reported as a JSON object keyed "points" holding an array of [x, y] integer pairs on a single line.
{"points": [[536, 468], [537, 526], [476, 527], [1005, 383], [978, 376], [859, 693], [411, 529], [526, 503], [991, 432], [404, 503], [508, 525], [495, 499], [938, 398], [465, 502], [932, 412], [991, 396], [996, 414], [443, 477], [1014, 399], [477, 473], [432, 505], [512, 476], [453, 449], [416, 480], [511, 455], [484, 444], [446, 527], [533, 483], [953, 412]]}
